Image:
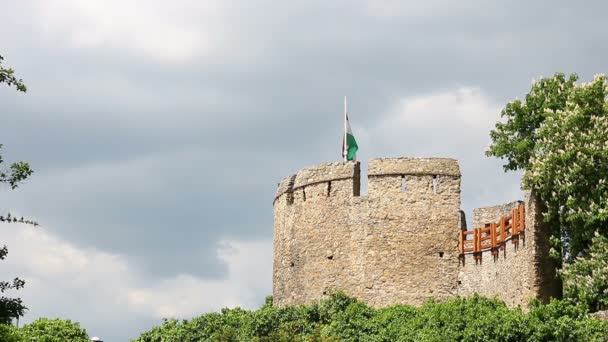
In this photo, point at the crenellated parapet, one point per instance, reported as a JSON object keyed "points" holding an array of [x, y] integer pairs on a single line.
{"points": [[414, 166], [332, 179], [328, 237], [414, 177], [400, 243]]}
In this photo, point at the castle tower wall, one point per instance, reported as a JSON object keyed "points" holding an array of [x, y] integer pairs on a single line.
{"points": [[312, 238], [397, 245], [521, 271]]}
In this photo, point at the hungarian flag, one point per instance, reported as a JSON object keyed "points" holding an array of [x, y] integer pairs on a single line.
{"points": [[349, 144]]}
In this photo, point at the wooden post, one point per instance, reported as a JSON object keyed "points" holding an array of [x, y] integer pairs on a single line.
{"points": [[522, 217], [515, 220], [516, 227], [477, 243], [493, 238], [502, 235]]}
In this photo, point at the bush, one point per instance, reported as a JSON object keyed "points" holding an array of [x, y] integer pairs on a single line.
{"points": [[9, 333], [44, 330], [342, 318], [53, 330]]}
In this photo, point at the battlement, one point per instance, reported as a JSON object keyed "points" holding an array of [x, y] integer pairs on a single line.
{"points": [[386, 176], [328, 237], [414, 166], [321, 176], [404, 242]]}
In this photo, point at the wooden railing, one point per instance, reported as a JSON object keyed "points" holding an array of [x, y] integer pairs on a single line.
{"points": [[494, 236]]}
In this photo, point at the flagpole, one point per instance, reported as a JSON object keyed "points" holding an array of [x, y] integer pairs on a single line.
{"points": [[344, 156]]}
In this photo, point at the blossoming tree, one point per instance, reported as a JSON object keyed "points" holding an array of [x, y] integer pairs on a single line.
{"points": [[559, 137]]}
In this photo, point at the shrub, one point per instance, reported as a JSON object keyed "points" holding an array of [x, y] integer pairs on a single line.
{"points": [[342, 318], [53, 330]]}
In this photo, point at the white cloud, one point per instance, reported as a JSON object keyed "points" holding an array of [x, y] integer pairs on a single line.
{"points": [[463, 106], [101, 289], [452, 123], [161, 30], [430, 124]]}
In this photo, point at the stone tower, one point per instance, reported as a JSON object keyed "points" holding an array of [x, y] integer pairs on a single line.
{"points": [[399, 244], [407, 240]]}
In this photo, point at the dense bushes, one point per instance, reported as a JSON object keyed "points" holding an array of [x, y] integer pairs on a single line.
{"points": [[44, 330], [341, 318]]}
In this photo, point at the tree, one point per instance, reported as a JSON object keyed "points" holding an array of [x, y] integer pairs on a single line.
{"points": [[17, 172], [569, 166], [53, 330], [515, 140], [559, 137], [587, 278]]}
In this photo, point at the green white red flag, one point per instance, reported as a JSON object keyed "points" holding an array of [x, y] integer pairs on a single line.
{"points": [[349, 144]]}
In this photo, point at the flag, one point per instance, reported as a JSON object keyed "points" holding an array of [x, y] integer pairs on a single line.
{"points": [[349, 144]]}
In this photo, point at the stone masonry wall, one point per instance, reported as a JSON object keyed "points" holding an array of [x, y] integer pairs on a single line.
{"points": [[397, 245], [521, 271]]}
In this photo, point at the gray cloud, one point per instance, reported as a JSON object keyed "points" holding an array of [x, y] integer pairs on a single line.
{"points": [[158, 130]]}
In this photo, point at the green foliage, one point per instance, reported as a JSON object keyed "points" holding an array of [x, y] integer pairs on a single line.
{"points": [[586, 280], [564, 320], [44, 330], [559, 137], [341, 318], [515, 139], [569, 167], [9, 333], [53, 330], [8, 76], [16, 173]]}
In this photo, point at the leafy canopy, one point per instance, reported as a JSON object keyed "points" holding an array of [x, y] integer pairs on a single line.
{"points": [[515, 139], [569, 164], [559, 137], [342, 318], [44, 330]]}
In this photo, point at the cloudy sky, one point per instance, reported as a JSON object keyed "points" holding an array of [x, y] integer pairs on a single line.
{"points": [[158, 130]]}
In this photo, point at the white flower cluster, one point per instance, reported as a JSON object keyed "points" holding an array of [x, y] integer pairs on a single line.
{"points": [[570, 161]]}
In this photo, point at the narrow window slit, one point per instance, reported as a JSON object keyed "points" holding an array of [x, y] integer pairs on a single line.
{"points": [[328, 189], [441, 254], [304, 194], [434, 184], [403, 183]]}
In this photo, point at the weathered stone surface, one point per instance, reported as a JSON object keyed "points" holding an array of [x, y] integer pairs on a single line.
{"points": [[325, 173], [483, 216], [520, 272], [414, 166], [391, 247], [399, 244], [509, 276]]}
